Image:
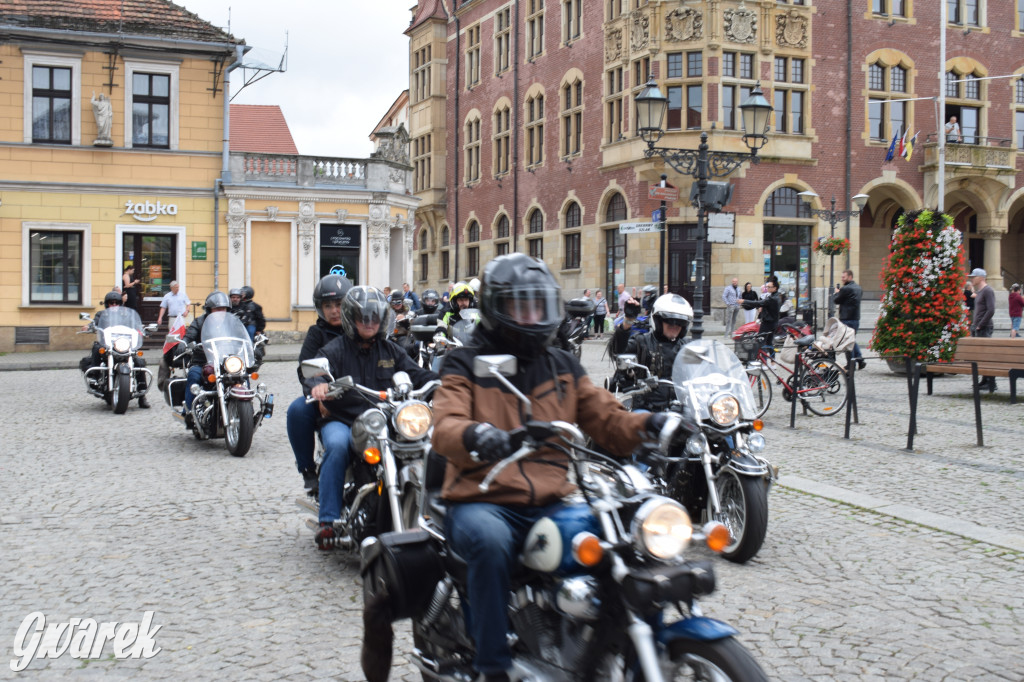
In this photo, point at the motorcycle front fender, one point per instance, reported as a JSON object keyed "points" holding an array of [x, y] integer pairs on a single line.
{"points": [[696, 629], [124, 368], [748, 465]]}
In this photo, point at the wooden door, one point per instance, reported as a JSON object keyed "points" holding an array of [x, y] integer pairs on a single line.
{"points": [[271, 278]]}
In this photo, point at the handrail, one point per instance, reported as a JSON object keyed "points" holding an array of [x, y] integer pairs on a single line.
{"points": [[976, 141]]}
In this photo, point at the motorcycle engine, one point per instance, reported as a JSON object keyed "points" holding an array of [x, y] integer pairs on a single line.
{"points": [[545, 633]]}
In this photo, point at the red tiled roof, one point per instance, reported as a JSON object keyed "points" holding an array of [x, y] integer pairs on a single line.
{"points": [[428, 9], [135, 17], [260, 128]]}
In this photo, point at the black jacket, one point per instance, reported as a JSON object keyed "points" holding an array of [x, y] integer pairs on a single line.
{"points": [[657, 355], [317, 336], [769, 306], [371, 366], [194, 334], [848, 300]]}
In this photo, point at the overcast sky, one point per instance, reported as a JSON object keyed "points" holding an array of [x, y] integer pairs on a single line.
{"points": [[348, 60]]}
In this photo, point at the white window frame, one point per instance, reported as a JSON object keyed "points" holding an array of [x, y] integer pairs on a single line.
{"points": [[131, 66], [179, 260], [27, 228], [32, 59]]}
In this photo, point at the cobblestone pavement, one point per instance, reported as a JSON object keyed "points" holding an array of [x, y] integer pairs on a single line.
{"points": [[106, 517]]}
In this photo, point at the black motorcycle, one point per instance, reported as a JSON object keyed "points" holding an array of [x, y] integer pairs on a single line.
{"points": [[591, 598], [574, 328]]}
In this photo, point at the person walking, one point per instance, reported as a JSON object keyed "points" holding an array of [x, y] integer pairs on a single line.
{"points": [[847, 298], [1016, 308], [731, 299], [984, 309], [600, 312], [174, 303], [749, 295]]}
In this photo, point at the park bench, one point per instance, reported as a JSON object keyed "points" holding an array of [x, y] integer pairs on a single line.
{"points": [[978, 357]]}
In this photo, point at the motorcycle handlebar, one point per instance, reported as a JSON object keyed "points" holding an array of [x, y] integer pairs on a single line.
{"points": [[534, 433]]}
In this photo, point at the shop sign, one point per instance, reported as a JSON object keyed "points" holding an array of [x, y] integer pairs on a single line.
{"points": [[198, 250], [146, 211], [340, 236]]}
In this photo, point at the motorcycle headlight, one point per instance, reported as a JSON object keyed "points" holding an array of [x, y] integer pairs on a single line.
{"points": [[755, 442], [122, 344], [724, 409], [413, 419], [662, 529], [233, 364]]}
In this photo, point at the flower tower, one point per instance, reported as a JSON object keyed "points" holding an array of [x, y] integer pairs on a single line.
{"points": [[922, 315]]}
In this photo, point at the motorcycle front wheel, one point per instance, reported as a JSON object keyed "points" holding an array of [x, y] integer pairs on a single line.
{"points": [[122, 393], [744, 503], [238, 434], [716, 661]]}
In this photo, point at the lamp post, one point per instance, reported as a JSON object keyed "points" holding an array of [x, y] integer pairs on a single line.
{"points": [[832, 216], [701, 164]]}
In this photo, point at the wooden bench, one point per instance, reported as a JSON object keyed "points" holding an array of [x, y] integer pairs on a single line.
{"points": [[984, 358]]}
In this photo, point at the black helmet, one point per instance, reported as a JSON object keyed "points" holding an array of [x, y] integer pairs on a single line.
{"points": [[429, 301], [329, 288], [366, 304], [397, 301], [520, 304], [112, 298], [218, 299], [247, 293]]}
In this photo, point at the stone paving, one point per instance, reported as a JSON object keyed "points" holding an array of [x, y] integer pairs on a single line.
{"points": [[106, 517]]}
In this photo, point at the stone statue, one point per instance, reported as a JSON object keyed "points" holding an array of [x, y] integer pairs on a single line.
{"points": [[101, 110]]}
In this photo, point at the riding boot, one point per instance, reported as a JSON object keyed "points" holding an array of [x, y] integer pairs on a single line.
{"points": [[378, 637], [143, 402]]}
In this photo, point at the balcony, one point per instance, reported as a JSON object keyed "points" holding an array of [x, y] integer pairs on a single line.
{"points": [[989, 157]]}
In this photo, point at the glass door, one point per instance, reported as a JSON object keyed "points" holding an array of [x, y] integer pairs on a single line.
{"points": [[154, 257]]}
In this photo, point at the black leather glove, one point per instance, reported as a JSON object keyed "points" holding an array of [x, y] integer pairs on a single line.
{"points": [[657, 421], [487, 442]]}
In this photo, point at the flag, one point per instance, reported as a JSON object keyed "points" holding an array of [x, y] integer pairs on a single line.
{"points": [[177, 333], [910, 147], [903, 143], [891, 154]]}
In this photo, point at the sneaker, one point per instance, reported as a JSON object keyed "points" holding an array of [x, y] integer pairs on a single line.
{"points": [[325, 537], [310, 481], [861, 363], [143, 402]]}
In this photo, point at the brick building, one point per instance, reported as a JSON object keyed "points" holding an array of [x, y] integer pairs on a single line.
{"points": [[523, 136]]}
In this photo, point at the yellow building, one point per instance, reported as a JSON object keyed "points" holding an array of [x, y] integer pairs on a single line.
{"points": [[84, 194]]}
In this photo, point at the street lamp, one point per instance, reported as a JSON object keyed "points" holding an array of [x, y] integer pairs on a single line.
{"points": [[700, 163], [832, 216]]}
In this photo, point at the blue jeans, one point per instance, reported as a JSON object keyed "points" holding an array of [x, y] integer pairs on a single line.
{"points": [[301, 425], [854, 325], [489, 537], [195, 374], [1015, 324], [337, 438]]}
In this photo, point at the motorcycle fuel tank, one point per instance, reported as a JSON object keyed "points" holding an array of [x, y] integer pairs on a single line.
{"points": [[548, 546]]}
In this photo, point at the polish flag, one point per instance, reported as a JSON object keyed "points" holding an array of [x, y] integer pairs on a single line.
{"points": [[177, 333]]}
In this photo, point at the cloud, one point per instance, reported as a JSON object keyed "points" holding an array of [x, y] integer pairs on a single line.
{"points": [[347, 63]]}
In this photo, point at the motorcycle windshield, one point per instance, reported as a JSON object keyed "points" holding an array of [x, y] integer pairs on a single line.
{"points": [[704, 369], [223, 336], [463, 329], [120, 316]]}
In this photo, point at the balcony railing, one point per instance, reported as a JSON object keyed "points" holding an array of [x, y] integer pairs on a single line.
{"points": [[993, 153], [304, 171]]}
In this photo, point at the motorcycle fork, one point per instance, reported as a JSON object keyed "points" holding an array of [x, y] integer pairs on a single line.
{"points": [[390, 473], [110, 373], [223, 404], [642, 636], [709, 474]]}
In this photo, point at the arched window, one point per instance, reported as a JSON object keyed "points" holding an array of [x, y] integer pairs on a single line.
{"points": [[444, 236], [423, 239], [473, 233], [503, 227], [536, 221], [787, 241], [572, 215], [616, 210], [885, 116], [784, 203], [964, 99]]}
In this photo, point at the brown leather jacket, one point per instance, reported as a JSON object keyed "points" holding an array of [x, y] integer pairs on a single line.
{"points": [[464, 400]]}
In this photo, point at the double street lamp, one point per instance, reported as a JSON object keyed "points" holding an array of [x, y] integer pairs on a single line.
{"points": [[701, 164], [832, 216]]}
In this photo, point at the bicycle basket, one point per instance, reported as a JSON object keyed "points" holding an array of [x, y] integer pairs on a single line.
{"points": [[746, 348]]}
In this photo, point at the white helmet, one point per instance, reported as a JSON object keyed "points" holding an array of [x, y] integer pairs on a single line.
{"points": [[671, 307], [474, 284]]}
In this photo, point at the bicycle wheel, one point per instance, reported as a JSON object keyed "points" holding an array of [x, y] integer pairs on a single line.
{"points": [[761, 386], [823, 388]]}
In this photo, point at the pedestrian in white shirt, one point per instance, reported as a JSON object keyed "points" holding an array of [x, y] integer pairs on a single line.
{"points": [[174, 303]]}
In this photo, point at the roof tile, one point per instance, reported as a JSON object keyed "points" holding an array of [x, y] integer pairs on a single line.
{"points": [[260, 128]]}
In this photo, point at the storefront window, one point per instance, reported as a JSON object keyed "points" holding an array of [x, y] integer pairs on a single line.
{"points": [[55, 267], [787, 245]]}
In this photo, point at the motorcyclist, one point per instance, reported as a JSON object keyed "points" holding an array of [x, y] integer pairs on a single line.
{"points": [[401, 307], [216, 302], [302, 416], [363, 353], [520, 307], [626, 327], [112, 299], [254, 321], [235, 296], [462, 296], [429, 302], [671, 315], [650, 296]]}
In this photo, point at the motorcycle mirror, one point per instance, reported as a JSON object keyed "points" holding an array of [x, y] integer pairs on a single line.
{"points": [[624, 361], [346, 382], [487, 365], [402, 382], [83, 316], [151, 327], [316, 367]]}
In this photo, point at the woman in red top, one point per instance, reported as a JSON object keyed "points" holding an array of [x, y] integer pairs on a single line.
{"points": [[1016, 308]]}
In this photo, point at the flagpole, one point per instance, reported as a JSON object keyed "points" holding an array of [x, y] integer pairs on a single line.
{"points": [[941, 114]]}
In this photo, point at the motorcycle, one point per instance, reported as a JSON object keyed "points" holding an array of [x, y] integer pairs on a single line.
{"points": [[573, 329], [391, 439], [717, 472], [460, 334], [589, 599], [119, 334], [225, 405]]}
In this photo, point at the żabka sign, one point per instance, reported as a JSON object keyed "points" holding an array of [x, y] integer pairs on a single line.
{"points": [[147, 211]]}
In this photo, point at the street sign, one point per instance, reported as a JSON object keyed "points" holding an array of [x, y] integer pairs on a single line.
{"points": [[198, 250], [663, 193], [656, 216], [637, 228]]}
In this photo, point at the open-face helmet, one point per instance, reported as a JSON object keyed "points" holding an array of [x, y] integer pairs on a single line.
{"points": [[217, 299], [367, 304], [672, 307], [329, 288], [520, 304], [112, 298], [247, 293], [398, 303]]}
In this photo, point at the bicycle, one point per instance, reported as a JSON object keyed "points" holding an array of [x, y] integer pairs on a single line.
{"points": [[822, 384]]}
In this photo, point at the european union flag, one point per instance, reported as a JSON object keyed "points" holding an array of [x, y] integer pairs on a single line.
{"points": [[891, 154]]}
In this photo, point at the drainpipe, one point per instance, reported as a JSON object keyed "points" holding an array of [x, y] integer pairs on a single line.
{"points": [[454, 275], [225, 163], [516, 109], [849, 114], [940, 120]]}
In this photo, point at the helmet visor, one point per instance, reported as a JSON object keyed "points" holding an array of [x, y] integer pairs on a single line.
{"points": [[528, 307]]}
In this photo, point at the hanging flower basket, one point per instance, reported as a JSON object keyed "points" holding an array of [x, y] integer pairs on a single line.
{"points": [[832, 246]]}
